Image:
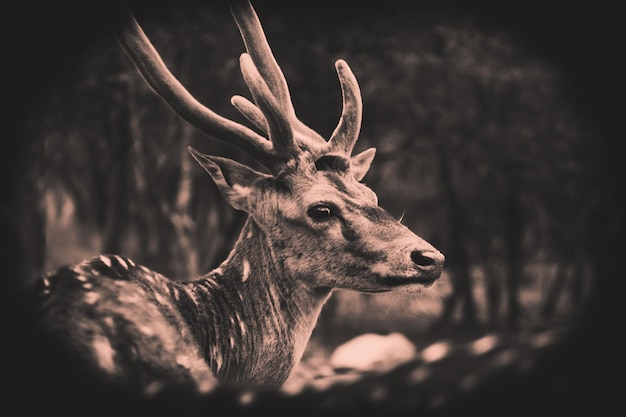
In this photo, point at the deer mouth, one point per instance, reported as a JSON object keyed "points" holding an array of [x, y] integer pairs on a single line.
{"points": [[391, 283], [400, 281]]}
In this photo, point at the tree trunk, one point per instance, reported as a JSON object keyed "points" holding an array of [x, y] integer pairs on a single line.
{"points": [[493, 292], [119, 175], [458, 257], [512, 216], [570, 253], [553, 293], [185, 264]]}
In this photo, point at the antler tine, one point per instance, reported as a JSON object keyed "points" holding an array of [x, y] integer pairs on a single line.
{"points": [[278, 126], [250, 111], [257, 46], [347, 132], [261, 53], [152, 68]]}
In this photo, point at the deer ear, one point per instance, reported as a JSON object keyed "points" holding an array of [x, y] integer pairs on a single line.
{"points": [[360, 163], [235, 181]]}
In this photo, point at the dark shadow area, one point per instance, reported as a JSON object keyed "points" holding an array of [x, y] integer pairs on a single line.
{"points": [[496, 126]]}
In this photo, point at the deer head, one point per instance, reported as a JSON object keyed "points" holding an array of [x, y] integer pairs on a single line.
{"points": [[322, 224]]}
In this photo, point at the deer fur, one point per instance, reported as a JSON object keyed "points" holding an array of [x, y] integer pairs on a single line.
{"points": [[312, 227]]}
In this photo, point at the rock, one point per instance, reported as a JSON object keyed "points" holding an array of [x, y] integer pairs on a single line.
{"points": [[373, 353]]}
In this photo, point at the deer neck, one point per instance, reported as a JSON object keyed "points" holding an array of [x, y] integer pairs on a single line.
{"points": [[251, 318]]}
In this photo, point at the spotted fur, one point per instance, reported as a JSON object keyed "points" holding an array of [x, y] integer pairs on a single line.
{"points": [[312, 227]]}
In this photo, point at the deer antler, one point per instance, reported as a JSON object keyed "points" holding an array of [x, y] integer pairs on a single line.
{"points": [[345, 135], [272, 111], [347, 132], [278, 125], [152, 68]]}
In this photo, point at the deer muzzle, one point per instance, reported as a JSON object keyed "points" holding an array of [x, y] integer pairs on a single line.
{"points": [[409, 267], [428, 260]]}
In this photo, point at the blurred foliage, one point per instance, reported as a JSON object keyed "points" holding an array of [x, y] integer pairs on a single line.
{"points": [[479, 143]]}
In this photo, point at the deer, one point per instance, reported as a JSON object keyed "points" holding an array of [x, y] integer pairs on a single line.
{"points": [[313, 227]]}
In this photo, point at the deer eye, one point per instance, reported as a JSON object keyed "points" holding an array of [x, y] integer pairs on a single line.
{"points": [[320, 212]]}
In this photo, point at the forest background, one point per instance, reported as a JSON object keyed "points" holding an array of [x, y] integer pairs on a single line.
{"points": [[495, 128]]}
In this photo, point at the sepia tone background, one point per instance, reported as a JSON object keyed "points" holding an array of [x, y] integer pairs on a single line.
{"points": [[493, 129]]}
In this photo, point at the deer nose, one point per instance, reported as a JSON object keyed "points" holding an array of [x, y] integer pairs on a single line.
{"points": [[428, 260]]}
